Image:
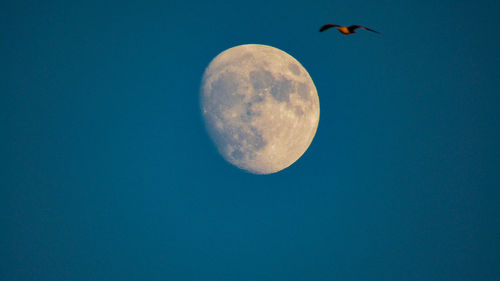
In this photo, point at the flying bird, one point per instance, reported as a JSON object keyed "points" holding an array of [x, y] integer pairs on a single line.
{"points": [[346, 30]]}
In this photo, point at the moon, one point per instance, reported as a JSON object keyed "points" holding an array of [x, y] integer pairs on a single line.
{"points": [[260, 107]]}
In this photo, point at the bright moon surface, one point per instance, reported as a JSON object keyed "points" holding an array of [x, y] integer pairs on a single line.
{"points": [[260, 107]]}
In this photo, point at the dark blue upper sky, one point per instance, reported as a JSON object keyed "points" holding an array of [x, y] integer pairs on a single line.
{"points": [[107, 172]]}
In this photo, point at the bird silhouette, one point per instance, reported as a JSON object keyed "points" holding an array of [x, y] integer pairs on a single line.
{"points": [[346, 30]]}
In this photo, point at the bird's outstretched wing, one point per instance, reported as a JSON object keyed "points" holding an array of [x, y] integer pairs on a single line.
{"points": [[327, 26], [352, 27]]}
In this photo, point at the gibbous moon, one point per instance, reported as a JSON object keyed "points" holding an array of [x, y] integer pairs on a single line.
{"points": [[260, 107]]}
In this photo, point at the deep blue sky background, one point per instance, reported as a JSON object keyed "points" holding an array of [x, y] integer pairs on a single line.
{"points": [[106, 171]]}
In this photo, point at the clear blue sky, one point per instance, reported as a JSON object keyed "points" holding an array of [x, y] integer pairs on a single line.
{"points": [[106, 171]]}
